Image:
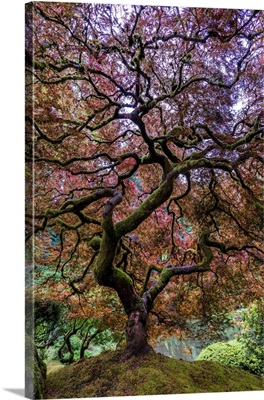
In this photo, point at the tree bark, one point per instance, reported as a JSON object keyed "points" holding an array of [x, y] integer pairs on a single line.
{"points": [[136, 332]]}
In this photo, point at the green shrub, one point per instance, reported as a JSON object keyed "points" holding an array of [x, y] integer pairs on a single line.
{"points": [[226, 353], [234, 354]]}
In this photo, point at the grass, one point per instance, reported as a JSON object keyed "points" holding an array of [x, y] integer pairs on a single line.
{"points": [[110, 375]]}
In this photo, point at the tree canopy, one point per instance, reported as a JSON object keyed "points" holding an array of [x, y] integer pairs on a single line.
{"points": [[144, 153]]}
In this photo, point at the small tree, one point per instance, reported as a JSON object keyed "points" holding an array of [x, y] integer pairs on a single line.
{"points": [[85, 333], [252, 337]]}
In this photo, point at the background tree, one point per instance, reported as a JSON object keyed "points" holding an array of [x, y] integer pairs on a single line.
{"points": [[147, 158]]}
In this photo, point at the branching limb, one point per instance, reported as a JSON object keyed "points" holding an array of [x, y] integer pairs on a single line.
{"points": [[169, 271], [84, 273], [150, 270]]}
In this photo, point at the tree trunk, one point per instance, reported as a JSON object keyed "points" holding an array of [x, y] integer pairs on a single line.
{"points": [[136, 333]]}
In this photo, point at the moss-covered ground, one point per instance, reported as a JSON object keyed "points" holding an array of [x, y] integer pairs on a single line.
{"points": [[110, 375]]}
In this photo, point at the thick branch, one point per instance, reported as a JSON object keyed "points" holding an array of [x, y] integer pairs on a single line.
{"points": [[105, 272]]}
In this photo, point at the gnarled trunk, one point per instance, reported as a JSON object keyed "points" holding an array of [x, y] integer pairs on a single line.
{"points": [[107, 274], [136, 333]]}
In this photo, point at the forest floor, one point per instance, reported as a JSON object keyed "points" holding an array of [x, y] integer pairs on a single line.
{"points": [[110, 375]]}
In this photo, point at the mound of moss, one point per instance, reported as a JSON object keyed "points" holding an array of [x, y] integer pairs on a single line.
{"points": [[110, 375]]}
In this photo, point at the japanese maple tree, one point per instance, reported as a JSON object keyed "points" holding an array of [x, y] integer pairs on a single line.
{"points": [[144, 144]]}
